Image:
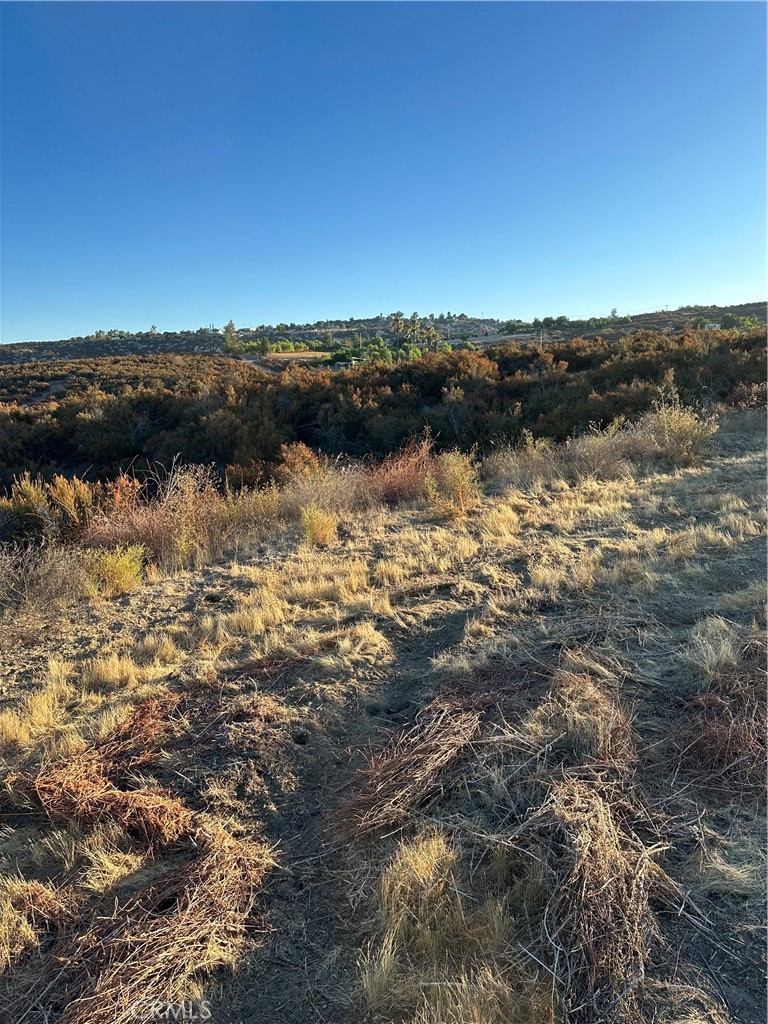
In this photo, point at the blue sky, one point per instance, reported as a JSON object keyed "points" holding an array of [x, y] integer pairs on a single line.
{"points": [[179, 164]]}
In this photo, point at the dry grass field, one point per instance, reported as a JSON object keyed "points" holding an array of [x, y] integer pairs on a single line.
{"points": [[493, 754]]}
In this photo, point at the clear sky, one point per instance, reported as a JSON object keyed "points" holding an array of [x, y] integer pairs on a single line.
{"points": [[179, 164]]}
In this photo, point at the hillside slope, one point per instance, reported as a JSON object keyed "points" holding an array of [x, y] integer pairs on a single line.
{"points": [[451, 328], [492, 768]]}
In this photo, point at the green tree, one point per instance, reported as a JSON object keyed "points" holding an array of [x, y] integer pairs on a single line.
{"points": [[232, 342]]}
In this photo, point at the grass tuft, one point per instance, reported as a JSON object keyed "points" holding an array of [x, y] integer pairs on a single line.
{"points": [[319, 526]]}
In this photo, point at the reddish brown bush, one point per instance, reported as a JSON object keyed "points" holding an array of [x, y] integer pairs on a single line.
{"points": [[402, 476], [749, 396]]}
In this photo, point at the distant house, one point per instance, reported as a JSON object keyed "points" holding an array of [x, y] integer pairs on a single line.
{"points": [[710, 325]]}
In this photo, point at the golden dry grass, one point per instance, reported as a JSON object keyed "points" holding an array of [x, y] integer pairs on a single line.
{"points": [[443, 956], [571, 810], [553, 800], [319, 526], [43, 713]]}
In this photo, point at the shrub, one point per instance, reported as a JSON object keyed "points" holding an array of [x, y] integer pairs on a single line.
{"points": [[40, 578], [335, 488], [452, 486], [177, 527], [298, 459], [245, 516], [122, 493], [74, 502], [749, 396], [114, 572], [670, 432], [599, 454], [149, 526], [28, 509], [402, 476], [61, 508], [532, 463], [319, 526]]}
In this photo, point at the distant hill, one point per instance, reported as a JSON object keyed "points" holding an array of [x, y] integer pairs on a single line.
{"points": [[186, 343], [667, 321], [452, 328]]}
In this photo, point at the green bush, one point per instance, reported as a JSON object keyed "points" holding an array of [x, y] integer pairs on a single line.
{"points": [[319, 526], [119, 570], [28, 512], [452, 486]]}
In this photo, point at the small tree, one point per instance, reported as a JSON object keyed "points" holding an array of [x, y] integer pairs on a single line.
{"points": [[232, 342]]}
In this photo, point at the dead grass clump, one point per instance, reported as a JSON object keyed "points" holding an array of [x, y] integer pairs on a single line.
{"points": [[583, 722], [27, 909], [161, 944], [158, 649], [334, 487], [442, 952], [360, 644], [500, 524], [78, 789], [107, 856], [139, 735], [438, 550], [418, 891], [391, 572], [243, 517], [558, 568], [714, 646], [258, 610], [176, 526], [482, 995], [94, 862], [532, 464], [743, 421], [599, 454], [724, 742], [413, 768], [114, 670], [670, 432], [181, 518], [598, 924], [733, 867], [317, 579], [43, 713], [82, 788], [39, 579]]}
